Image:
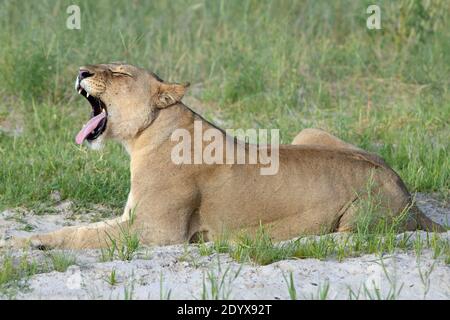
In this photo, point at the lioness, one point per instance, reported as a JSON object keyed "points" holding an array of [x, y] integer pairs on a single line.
{"points": [[319, 187]]}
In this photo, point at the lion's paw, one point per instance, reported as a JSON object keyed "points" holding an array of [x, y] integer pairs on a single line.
{"points": [[21, 243]]}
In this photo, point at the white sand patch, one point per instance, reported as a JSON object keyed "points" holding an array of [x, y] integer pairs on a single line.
{"points": [[182, 271]]}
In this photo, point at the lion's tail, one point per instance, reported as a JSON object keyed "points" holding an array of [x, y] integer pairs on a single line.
{"points": [[425, 223]]}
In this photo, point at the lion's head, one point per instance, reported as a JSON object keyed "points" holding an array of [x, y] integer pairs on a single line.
{"points": [[125, 100]]}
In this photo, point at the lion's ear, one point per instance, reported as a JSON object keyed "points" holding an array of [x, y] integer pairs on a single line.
{"points": [[169, 93]]}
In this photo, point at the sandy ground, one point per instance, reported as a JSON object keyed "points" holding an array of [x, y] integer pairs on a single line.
{"points": [[180, 272]]}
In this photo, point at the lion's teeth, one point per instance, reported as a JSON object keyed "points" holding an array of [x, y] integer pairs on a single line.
{"points": [[87, 95], [79, 91]]}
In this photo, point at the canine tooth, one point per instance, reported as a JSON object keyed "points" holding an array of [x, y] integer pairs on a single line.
{"points": [[87, 95], [79, 91]]}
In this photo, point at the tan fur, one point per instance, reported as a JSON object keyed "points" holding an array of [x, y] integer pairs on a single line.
{"points": [[319, 137], [316, 190]]}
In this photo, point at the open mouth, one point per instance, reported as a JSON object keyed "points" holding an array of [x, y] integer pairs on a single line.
{"points": [[97, 124]]}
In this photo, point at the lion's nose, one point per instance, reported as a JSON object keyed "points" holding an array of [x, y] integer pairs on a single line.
{"points": [[83, 74]]}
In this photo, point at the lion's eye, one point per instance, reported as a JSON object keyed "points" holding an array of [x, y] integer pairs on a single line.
{"points": [[121, 74]]}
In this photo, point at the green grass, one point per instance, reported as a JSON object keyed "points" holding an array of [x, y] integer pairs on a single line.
{"points": [[112, 278], [365, 291], [371, 236], [322, 291], [128, 289], [123, 245], [288, 65], [217, 282], [61, 260], [163, 293], [14, 272], [291, 286]]}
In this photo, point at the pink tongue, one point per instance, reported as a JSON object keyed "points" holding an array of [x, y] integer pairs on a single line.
{"points": [[89, 127]]}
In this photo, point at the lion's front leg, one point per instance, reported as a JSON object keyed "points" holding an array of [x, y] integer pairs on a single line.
{"points": [[163, 228], [96, 235]]}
